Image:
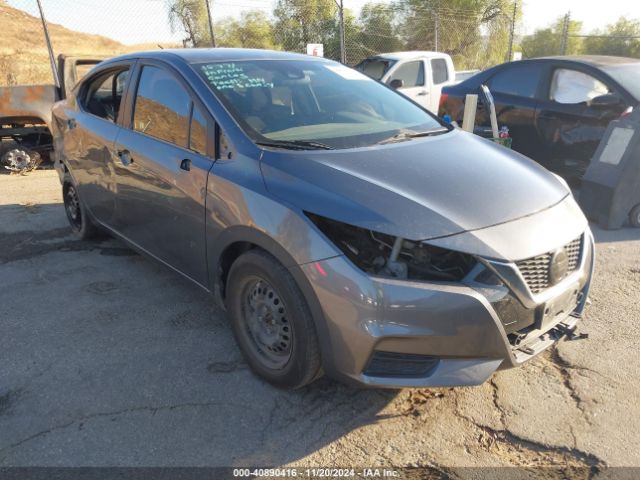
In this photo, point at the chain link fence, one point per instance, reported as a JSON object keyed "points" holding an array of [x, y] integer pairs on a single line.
{"points": [[479, 36]]}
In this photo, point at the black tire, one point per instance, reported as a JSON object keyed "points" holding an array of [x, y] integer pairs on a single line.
{"points": [[271, 321], [634, 216], [80, 221]]}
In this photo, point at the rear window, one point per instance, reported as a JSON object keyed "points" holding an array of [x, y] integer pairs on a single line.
{"points": [[519, 80], [440, 70]]}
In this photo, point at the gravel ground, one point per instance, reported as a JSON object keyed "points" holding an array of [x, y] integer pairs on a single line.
{"points": [[108, 359]]}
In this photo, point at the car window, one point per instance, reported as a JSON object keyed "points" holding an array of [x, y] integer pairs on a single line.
{"points": [[104, 94], [519, 80], [161, 107], [411, 74], [439, 71], [627, 75], [312, 100], [198, 132], [572, 86]]}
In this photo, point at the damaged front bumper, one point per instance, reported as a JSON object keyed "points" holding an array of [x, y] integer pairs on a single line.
{"points": [[395, 333]]}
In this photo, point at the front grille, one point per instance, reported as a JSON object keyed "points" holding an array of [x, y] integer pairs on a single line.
{"points": [[535, 270]]}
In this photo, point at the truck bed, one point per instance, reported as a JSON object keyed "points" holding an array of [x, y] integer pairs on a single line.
{"points": [[27, 102]]}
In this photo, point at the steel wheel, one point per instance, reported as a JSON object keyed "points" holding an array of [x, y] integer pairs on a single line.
{"points": [[268, 330], [72, 207]]}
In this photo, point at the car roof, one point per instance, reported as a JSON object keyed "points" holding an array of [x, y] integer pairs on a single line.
{"points": [[199, 55], [593, 60], [411, 54]]}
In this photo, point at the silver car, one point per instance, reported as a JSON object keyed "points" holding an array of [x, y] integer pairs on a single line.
{"points": [[345, 229]]}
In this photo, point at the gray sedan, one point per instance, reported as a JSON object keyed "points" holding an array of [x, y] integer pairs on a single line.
{"points": [[346, 230]]}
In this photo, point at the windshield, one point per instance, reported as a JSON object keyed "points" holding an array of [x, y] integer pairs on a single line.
{"points": [[375, 67], [319, 103], [627, 75]]}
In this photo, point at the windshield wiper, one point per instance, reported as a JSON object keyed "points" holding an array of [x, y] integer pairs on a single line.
{"points": [[296, 144], [409, 134]]}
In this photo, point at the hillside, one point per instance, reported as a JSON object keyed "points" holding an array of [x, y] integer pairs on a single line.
{"points": [[23, 54]]}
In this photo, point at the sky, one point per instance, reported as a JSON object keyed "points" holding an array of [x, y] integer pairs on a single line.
{"points": [[143, 21]]}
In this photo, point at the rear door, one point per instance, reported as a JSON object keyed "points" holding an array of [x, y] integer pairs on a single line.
{"points": [[569, 127], [89, 134], [163, 163], [439, 74], [515, 89], [414, 83]]}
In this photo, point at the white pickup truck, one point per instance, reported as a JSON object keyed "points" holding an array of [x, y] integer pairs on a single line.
{"points": [[419, 75]]}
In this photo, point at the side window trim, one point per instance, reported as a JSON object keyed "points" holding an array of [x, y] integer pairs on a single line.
{"points": [[190, 123], [133, 84]]}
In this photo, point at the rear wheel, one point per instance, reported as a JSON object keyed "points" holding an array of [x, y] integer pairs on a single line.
{"points": [[81, 223], [271, 321]]}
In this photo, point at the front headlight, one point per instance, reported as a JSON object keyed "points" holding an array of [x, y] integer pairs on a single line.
{"points": [[384, 255]]}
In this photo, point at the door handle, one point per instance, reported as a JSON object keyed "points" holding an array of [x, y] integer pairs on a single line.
{"points": [[125, 157], [71, 123], [185, 164], [424, 92]]}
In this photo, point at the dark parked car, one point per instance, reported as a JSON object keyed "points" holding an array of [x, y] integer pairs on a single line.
{"points": [[345, 229], [556, 108]]}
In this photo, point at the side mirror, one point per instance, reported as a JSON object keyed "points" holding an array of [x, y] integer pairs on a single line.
{"points": [[605, 101], [396, 83]]}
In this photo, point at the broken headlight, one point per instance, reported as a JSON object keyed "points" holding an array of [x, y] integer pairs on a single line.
{"points": [[381, 254]]}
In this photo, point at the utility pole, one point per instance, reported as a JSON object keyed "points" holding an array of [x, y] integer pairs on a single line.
{"points": [[513, 30], [52, 57], [436, 29], [565, 34], [343, 53], [213, 39]]}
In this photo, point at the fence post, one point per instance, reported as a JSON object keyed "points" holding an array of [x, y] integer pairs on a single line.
{"points": [[565, 34], [436, 33], [213, 38], [343, 53], [513, 30]]}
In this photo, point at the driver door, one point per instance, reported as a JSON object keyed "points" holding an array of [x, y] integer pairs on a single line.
{"points": [[414, 86]]}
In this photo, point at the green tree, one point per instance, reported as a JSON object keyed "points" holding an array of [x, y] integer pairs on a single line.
{"points": [[191, 17], [375, 32], [620, 39], [298, 23], [252, 30], [548, 41], [474, 32]]}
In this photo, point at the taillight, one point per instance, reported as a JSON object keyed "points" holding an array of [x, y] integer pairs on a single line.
{"points": [[443, 99], [627, 112]]}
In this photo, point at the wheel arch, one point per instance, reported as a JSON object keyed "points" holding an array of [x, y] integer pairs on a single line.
{"points": [[235, 241]]}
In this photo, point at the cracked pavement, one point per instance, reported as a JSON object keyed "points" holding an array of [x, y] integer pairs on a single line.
{"points": [[109, 359]]}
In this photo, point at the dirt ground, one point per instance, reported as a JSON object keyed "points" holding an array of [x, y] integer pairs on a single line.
{"points": [[108, 359]]}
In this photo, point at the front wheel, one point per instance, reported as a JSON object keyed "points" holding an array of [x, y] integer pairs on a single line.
{"points": [[81, 224], [271, 321]]}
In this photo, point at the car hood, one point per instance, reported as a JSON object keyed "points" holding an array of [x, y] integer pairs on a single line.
{"points": [[419, 189]]}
